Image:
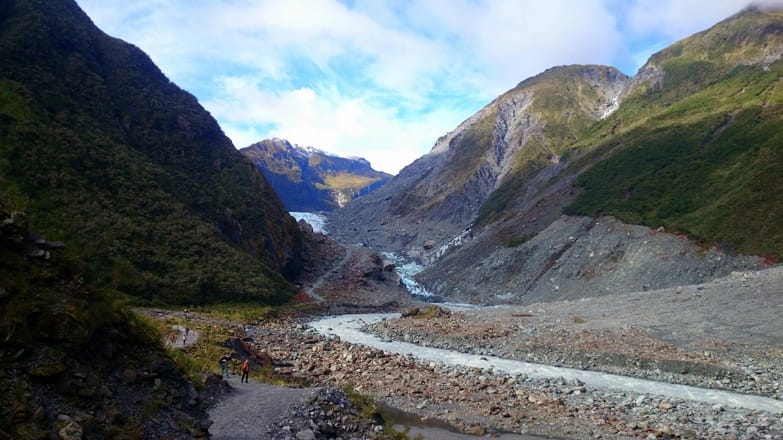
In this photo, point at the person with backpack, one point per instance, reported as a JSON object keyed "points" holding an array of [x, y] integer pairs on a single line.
{"points": [[224, 365], [245, 370]]}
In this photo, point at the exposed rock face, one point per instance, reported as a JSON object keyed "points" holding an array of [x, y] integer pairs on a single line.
{"points": [[310, 180], [441, 193]]}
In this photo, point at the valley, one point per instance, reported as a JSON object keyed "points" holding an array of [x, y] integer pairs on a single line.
{"points": [[589, 255], [679, 336]]}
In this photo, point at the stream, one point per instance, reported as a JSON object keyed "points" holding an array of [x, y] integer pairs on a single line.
{"points": [[348, 328]]}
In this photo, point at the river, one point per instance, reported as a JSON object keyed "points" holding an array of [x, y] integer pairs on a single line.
{"points": [[348, 328]]}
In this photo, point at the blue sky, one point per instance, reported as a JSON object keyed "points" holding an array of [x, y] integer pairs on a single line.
{"points": [[383, 79]]}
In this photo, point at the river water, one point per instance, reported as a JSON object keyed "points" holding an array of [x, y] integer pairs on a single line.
{"points": [[348, 328]]}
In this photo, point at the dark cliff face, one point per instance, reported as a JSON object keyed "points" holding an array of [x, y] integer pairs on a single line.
{"points": [[311, 180], [120, 161]]}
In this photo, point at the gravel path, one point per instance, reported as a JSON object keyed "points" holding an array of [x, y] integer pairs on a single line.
{"points": [[248, 410], [319, 282], [182, 340]]}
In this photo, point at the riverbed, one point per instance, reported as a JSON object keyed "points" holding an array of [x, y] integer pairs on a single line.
{"points": [[348, 328]]}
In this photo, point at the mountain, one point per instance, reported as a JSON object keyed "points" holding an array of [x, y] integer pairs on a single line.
{"points": [[688, 147], [698, 145], [521, 132], [104, 152], [311, 180]]}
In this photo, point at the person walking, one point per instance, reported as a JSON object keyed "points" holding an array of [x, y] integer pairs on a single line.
{"points": [[245, 370], [224, 365]]}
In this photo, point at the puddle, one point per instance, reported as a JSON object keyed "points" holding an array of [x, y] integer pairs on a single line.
{"points": [[436, 429]]}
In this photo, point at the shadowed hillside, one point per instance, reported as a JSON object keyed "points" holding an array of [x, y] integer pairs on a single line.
{"points": [[75, 361], [114, 158]]}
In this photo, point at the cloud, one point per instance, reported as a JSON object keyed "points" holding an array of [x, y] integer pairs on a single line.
{"points": [[382, 79], [344, 125], [676, 19]]}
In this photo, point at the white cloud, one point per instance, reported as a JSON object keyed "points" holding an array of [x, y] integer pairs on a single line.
{"points": [[676, 19], [382, 79], [346, 126]]}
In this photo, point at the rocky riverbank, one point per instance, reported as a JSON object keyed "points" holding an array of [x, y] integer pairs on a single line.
{"points": [[725, 334], [479, 401]]}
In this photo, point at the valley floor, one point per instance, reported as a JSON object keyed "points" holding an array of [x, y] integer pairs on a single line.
{"points": [[725, 334]]}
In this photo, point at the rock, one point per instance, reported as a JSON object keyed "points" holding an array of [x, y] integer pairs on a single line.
{"points": [[305, 434], [665, 406], [71, 431], [429, 244], [129, 375], [477, 430]]}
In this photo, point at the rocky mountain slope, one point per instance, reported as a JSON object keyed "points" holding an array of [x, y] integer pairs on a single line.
{"points": [[575, 257], [105, 152], [690, 145], [696, 147], [311, 180], [521, 131]]}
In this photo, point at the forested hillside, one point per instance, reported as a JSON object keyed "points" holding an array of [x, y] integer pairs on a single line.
{"points": [[104, 152]]}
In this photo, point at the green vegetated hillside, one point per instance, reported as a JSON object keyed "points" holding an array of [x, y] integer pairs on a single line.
{"points": [[699, 147], [310, 180], [104, 152], [696, 145], [68, 346]]}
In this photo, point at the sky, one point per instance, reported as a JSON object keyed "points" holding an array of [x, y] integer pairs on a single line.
{"points": [[383, 79]]}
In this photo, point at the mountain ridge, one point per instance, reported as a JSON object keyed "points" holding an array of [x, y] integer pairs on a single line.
{"points": [[517, 133], [309, 179]]}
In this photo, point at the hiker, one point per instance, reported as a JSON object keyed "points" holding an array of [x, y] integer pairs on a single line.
{"points": [[224, 365], [185, 335], [245, 370]]}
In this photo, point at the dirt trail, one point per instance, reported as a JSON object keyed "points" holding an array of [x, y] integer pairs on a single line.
{"points": [[251, 407], [319, 282]]}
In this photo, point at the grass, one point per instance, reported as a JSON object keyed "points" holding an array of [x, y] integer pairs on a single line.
{"points": [[368, 410], [346, 181]]}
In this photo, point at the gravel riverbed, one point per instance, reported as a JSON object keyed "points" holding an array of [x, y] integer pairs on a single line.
{"points": [[725, 334]]}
